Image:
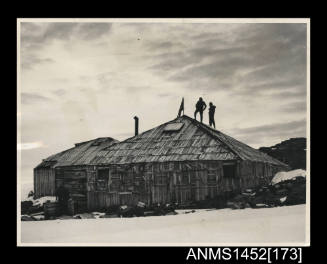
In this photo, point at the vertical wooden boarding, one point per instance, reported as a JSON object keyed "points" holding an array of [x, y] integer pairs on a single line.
{"points": [[197, 183], [44, 182]]}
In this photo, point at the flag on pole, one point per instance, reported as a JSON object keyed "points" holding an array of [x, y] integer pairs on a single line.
{"points": [[181, 108]]}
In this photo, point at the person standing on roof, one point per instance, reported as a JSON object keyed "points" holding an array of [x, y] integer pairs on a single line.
{"points": [[212, 109], [199, 108]]}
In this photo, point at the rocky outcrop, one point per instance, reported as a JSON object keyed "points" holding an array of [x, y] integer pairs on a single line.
{"points": [[291, 152]]}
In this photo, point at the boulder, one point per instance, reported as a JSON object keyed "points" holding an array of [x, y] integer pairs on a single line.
{"points": [[26, 206]]}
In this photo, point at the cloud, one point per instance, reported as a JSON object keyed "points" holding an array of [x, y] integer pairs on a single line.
{"points": [[296, 94], [257, 57], [36, 36], [59, 92], [162, 45], [258, 134], [89, 31], [31, 61], [30, 145], [295, 107], [43, 32], [30, 98]]}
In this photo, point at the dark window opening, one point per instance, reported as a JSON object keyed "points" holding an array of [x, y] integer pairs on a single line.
{"points": [[229, 171], [103, 174], [103, 177]]}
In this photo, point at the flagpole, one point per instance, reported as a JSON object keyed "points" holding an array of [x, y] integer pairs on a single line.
{"points": [[181, 108]]}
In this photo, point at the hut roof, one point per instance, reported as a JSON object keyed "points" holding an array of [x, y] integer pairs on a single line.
{"points": [[81, 154], [182, 139]]}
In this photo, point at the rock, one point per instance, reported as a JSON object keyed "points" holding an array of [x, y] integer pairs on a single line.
{"points": [[171, 213], [149, 213], [86, 216], [39, 217], [77, 217], [249, 194], [26, 206], [97, 214], [261, 206], [139, 211], [126, 211], [65, 217], [233, 205], [297, 195], [109, 216]]}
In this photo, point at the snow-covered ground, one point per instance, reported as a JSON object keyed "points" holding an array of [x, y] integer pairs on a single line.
{"points": [[283, 225]]}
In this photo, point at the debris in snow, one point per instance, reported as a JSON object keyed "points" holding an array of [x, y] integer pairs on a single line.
{"points": [[123, 207], [84, 216], [65, 217], [290, 175], [51, 210], [109, 216], [283, 199], [27, 218], [43, 200], [126, 211], [285, 190], [172, 213], [140, 204], [39, 217], [25, 206], [248, 194], [261, 206], [98, 215]]}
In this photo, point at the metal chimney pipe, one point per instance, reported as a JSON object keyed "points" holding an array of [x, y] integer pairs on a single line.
{"points": [[136, 125]]}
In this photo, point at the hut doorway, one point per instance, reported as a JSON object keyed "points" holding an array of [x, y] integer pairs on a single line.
{"points": [[230, 176], [75, 182]]}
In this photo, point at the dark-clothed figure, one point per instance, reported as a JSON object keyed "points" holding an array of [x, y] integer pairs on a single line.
{"points": [[212, 109], [199, 108], [62, 195]]}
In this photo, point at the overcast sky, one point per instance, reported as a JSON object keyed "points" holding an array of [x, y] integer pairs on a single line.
{"points": [[80, 81]]}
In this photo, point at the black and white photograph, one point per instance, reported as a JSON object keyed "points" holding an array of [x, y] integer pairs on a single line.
{"points": [[163, 132]]}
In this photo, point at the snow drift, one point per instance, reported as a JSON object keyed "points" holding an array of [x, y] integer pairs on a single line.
{"points": [[289, 175]]}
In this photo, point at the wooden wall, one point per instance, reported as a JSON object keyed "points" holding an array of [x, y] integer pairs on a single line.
{"points": [[151, 183], [154, 183], [44, 182], [179, 182]]}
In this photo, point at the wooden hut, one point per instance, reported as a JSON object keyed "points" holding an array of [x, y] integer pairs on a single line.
{"points": [[70, 168], [180, 161]]}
